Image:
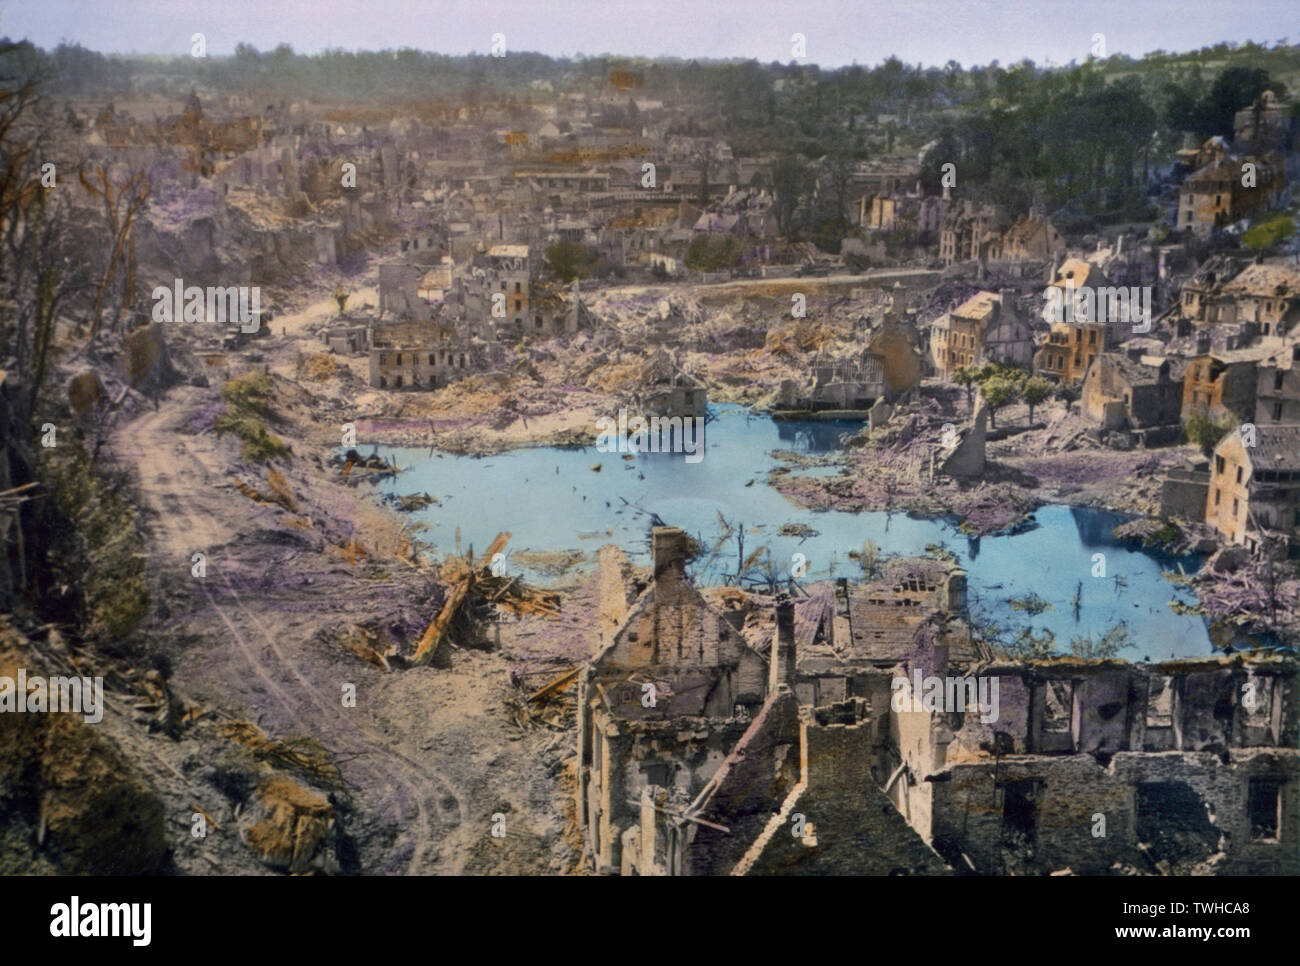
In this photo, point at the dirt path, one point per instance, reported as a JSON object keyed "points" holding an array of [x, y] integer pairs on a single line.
{"points": [[253, 647]]}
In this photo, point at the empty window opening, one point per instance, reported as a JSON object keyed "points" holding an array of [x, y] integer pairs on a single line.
{"points": [[1173, 822], [1058, 707], [1020, 811], [1265, 806]]}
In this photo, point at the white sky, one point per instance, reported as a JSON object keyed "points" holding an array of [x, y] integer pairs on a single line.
{"points": [[837, 33]]}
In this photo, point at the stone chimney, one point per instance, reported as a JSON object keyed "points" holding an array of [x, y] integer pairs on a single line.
{"points": [[668, 548], [954, 593], [1007, 296], [782, 669]]}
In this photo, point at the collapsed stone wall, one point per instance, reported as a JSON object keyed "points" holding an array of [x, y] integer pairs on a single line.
{"points": [[1040, 814], [758, 774]]}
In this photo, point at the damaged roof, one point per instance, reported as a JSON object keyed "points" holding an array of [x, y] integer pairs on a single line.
{"points": [[1276, 448], [979, 306], [1269, 281]]}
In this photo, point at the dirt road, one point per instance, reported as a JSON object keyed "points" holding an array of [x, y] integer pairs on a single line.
{"points": [[258, 614]]}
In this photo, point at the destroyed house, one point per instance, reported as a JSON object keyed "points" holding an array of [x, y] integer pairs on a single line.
{"points": [[849, 826], [1125, 393], [667, 390], [1197, 294], [1085, 321], [400, 291], [1267, 296], [425, 247], [919, 603], [1254, 491], [671, 692], [346, 339], [1031, 238], [984, 328], [684, 791], [497, 293], [1187, 767], [1223, 191], [1277, 387], [1193, 156], [886, 210], [839, 388], [413, 355], [972, 231], [1221, 383]]}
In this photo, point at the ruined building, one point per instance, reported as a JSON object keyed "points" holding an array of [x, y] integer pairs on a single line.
{"points": [[1228, 189], [843, 388], [865, 731], [1135, 393], [972, 231], [1090, 322], [665, 389], [984, 328], [671, 692], [1255, 489], [1105, 767]]}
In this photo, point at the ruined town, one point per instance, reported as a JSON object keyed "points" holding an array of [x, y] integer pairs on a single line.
{"points": [[534, 463]]}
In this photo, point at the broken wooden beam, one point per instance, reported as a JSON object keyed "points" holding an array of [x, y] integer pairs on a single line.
{"points": [[682, 816], [432, 636], [557, 685], [495, 547], [437, 628]]}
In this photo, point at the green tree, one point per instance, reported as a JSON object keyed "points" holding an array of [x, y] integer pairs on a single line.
{"points": [[712, 254], [1206, 432], [965, 377], [1233, 89], [1034, 391], [789, 185], [998, 391], [569, 260], [830, 233]]}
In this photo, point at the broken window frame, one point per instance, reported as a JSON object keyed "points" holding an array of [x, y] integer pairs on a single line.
{"points": [[1272, 826]]}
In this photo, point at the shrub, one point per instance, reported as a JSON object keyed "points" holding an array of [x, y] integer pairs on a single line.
{"points": [[259, 445], [569, 260], [1206, 432], [106, 550], [708, 254], [1268, 231], [250, 393]]}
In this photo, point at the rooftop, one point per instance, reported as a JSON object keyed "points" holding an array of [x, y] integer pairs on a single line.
{"points": [[1276, 448], [1273, 281]]}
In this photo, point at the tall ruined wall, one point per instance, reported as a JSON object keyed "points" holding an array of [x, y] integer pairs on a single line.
{"points": [[856, 829], [1185, 807], [757, 776]]}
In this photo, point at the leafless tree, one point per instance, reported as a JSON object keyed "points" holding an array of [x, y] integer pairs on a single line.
{"points": [[121, 202], [39, 270]]}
